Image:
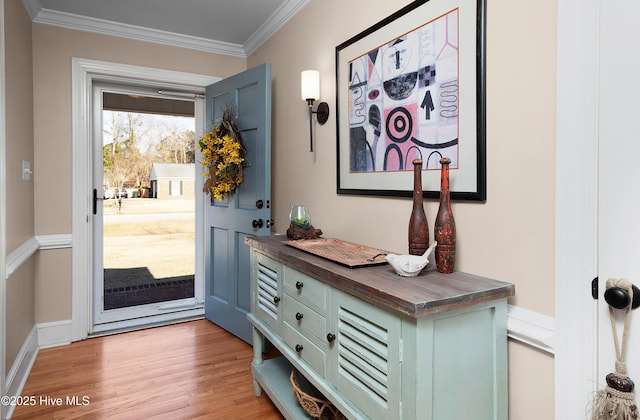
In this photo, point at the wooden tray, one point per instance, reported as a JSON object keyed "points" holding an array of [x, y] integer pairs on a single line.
{"points": [[343, 252]]}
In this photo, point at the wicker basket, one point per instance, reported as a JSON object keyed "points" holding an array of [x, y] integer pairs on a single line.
{"points": [[311, 400]]}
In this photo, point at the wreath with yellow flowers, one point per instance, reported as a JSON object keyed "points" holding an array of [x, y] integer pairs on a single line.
{"points": [[223, 155]]}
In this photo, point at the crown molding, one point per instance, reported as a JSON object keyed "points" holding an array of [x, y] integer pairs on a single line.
{"points": [[105, 27], [276, 21], [32, 7]]}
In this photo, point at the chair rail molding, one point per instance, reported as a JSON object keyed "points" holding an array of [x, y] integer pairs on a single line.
{"points": [[532, 328], [20, 255], [40, 242], [55, 241]]}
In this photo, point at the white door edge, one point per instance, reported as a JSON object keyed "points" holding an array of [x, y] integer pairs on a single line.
{"points": [[576, 207]]}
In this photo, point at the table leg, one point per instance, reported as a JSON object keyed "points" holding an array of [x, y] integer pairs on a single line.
{"points": [[258, 340]]}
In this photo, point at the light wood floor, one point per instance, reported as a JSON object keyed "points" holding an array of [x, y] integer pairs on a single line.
{"points": [[193, 370]]}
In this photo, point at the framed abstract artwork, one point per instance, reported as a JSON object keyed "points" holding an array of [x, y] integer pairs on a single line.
{"points": [[413, 87]]}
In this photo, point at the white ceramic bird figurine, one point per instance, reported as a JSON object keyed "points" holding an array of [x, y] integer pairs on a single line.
{"points": [[410, 265]]}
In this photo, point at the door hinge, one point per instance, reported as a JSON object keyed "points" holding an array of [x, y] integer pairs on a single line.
{"points": [[594, 288]]}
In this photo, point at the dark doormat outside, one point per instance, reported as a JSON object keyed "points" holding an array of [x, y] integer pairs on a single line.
{"points": [[150, 291]]}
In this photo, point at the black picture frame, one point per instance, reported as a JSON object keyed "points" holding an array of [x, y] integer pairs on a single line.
{"points": [[375, 100]]}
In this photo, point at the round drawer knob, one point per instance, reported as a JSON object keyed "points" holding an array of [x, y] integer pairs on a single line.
{"points": [[299, 316], [299, 348], [299, 285], [276, 299], [331, 337]]}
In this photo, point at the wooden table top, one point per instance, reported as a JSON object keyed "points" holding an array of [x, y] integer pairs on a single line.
{"points": [[427, 294]]}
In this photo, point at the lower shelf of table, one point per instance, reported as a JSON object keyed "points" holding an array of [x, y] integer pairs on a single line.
{"points": [[273, 377]]}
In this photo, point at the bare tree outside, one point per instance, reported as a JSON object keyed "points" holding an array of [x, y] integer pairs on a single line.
{"points": [[134, 141], [177, 147], [121, 153]]}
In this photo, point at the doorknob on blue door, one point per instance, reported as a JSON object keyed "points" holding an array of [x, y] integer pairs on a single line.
{"points": [[257, 223], [618, 297]]}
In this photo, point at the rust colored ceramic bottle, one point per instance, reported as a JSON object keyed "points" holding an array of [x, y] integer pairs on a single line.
{"points": [[418, 226], [445, 227]]}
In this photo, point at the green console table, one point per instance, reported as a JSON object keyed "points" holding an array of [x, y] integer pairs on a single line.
{"points": [[377, 345]]}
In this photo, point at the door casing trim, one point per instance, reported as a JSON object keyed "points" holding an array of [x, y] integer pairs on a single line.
{"points": [[576, 335], [84, 73]]}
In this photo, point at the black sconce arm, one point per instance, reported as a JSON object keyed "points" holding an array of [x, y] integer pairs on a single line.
{"points": [[322, 113]]}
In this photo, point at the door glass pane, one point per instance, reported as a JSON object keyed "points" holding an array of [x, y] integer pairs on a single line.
{"points": [[149, 207]]}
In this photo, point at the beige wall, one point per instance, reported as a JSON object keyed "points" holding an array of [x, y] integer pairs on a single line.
{"points": [[20, 310], [19, 120], [54, 49], [531, 390], [510, 237], [20, 197], [53, 286]]}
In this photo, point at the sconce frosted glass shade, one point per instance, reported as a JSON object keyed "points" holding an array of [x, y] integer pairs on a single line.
{"points": [[310, 85]]}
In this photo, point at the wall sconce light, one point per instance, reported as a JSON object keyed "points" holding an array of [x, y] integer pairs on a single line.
{"points": [[310, 87]]}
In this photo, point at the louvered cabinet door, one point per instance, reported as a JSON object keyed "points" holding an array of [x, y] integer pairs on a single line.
{"points": [[364, 358], [267, 291]]}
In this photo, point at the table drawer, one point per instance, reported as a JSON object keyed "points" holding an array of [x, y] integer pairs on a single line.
{"points": [[309, 352], [305, 320], [305, 289]]}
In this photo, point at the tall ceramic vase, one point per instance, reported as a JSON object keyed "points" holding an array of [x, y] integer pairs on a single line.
{"points": [[445, 226], [418, 227]]}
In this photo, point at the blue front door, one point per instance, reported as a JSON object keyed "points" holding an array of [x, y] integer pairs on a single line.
{"points": [[248, 211]]}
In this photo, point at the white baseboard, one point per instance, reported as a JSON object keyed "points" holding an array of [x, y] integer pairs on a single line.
{"points": [[52, 334], [43, 335], [19, 372]]}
